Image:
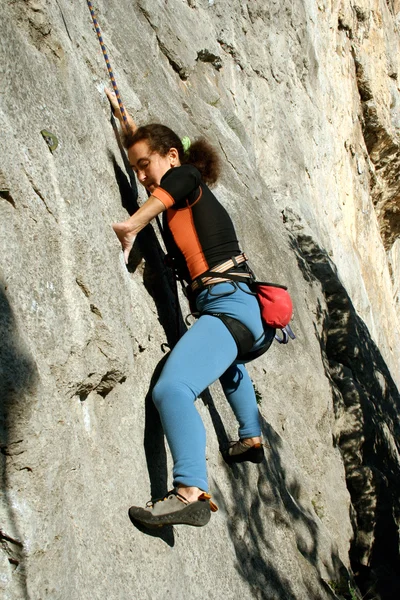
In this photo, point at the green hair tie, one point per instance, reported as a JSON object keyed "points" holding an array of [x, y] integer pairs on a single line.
{"points": [[186, 144]]}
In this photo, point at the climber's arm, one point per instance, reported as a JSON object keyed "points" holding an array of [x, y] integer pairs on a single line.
{"points": [[128, 230], [129, 123]]}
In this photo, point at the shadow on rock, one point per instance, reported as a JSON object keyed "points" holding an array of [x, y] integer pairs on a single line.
{"points": [[367, 411], [160, 283], [156, 456], [18, 378], [165, 533], [159, 280], [260, 518]]}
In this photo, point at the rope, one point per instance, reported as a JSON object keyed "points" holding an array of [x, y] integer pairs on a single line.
{"points": [[123, 113], [110, 72]]}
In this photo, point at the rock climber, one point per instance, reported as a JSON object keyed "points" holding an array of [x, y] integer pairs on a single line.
{"points": [[204, 237]]}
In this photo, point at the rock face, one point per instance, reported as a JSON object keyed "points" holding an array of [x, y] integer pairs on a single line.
{"points": [[302, 99]]}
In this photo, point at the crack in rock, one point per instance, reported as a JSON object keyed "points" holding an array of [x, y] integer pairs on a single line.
{"points": [[103, 387], [229, 49], [83, 287], [5, 190], [9, 538], [96, 311], [5, 194], [208, 57], [384, 154], [40, 195], [182, 71], [12, 448]]}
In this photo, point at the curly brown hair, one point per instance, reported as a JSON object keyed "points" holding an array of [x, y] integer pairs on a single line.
{"points": [[161, 139]]}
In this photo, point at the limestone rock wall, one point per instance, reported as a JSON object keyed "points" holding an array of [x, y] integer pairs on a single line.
{"points": [[302, 100]]}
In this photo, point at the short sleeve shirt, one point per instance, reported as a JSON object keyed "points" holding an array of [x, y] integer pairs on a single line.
{"points": [[200, 226]]}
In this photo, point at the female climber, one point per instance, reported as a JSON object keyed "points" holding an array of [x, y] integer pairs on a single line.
{"points": [[204, 238]]}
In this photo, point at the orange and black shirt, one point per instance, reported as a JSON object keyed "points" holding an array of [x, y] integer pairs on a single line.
{"points": [[200, 227]]}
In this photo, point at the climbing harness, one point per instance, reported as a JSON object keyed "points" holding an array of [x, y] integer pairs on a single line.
{"points": [[274, 301], [110, 72], [248, 347], [220, 272]]}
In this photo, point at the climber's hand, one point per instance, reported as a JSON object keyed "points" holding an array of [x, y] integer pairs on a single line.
{"points": [[129, 126], [126, 237], [114, 103], [128, 230]]}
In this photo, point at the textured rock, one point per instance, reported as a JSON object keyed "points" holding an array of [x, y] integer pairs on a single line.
{"points": [[302, 99]]}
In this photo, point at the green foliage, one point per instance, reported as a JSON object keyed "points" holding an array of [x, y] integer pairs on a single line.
{"points": [[319, 509], [334, 585], [214, 102], [344, 590], [257, 393], [353, 593]]}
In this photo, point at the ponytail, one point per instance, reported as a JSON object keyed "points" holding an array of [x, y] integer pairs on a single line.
{"points": [[202, 155]]}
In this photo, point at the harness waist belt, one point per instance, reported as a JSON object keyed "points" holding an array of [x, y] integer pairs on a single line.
{"points": [[233, 262]]}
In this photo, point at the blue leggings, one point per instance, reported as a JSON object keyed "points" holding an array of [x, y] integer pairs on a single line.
{"points": [[205, 353]]}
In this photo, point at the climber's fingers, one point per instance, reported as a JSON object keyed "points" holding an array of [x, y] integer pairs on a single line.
{"points": [[127, 239], [128, 124], [113, 102]]}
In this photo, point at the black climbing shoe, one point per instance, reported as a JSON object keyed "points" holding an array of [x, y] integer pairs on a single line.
{"points": [[174, 509], [239, 452]]}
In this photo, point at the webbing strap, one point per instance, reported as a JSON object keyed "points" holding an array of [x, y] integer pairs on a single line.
{"points": [[220, 273], [241, 334], [110, 72]]}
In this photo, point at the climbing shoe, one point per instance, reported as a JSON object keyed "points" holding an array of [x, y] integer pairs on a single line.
{"points": [[174, 509], [238, 452]]}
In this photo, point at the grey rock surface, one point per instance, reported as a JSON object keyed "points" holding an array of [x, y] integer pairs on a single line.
{"points": [[302, 100]]}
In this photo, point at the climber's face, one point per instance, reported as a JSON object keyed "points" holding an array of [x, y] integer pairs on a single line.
{"points": [[150, 166]]}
